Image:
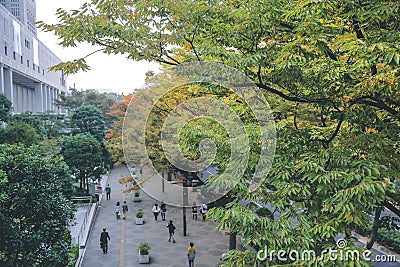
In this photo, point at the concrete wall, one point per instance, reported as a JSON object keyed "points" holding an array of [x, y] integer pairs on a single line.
{"points": [[24, 64]]}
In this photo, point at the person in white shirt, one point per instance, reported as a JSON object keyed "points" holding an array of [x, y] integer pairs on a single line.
{"points": [[156, 210]]}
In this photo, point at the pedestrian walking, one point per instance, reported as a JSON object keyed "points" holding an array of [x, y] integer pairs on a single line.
{"points": [[194, 211], [156, 210], [171, 230], [117, 210], [104, 238], [163, 210], [108, 192], [191, 253], [124, 210], [203, 210]]}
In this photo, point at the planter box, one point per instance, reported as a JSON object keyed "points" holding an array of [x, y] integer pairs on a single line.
{"points": [[136, 199], [139, 220], [144, 258]]}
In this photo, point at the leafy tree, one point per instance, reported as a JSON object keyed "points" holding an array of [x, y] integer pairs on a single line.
{"points": [[5, 108], [47, 124], [3, 180], [76, 99], [114, 135], [330, 70], [53, 124], [88, 119], [3, 196], [83, 154], [35, 208], [28, 118], [18, 132]]}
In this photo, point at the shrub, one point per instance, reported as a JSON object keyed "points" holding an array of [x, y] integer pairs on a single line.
{"points": [[73, 255], [139, 213], [390, 238], [137, 194], [144, 248]]}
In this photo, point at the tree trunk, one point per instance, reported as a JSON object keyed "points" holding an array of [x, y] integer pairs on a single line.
{"points": [[375, 228], [232, 241], [87, 186]]}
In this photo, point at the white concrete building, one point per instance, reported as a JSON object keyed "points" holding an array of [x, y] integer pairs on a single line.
{"points": [[24, 61]]}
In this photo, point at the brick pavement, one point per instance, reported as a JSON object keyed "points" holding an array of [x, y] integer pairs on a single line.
{"points": [[126, 235]]}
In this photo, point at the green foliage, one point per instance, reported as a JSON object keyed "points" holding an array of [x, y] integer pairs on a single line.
{"points": [[264, 212], [139, 213], [53, 124], [330, 70], [5, 108], [76, 99], [18, 132], [83, 154], [73, 255], [390, 238], [47, 124], [3, 180], [144, 248], [94, 199], [35, 209], [89, 120], [28, 118]]}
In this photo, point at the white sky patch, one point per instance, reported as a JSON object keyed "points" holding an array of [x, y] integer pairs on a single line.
{"points": [[107, 71]]}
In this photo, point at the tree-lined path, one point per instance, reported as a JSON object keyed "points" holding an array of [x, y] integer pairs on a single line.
{"points": [[125, 235]]}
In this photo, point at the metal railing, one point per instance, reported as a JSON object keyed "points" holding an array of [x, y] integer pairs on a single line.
{"points": [[81, 202]]}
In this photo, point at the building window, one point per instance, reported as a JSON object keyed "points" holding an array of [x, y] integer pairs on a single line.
{"points": [[14, 56], [15, 12], [27, 62], [43, 72], [38, 69], [22, 60], [5, 50], [27, 44], [33, 66]]}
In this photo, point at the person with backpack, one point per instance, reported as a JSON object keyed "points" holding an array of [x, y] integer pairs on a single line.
{"points": [[163, 210], [124, 210], [117, 210], [108, 192], [171, 230], [104, 238]]}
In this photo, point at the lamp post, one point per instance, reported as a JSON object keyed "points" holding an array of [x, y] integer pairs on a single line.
{"points": [[185, 203]]}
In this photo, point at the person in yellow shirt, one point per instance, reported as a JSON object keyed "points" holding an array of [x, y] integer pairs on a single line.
{"points": [[191, 254]]}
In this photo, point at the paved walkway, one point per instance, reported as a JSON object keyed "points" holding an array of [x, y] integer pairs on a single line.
{"points": [[126, 235]]}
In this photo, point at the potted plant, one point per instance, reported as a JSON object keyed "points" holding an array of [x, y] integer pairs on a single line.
{"points": [[136, 197], [139, 216], [144, 250]]}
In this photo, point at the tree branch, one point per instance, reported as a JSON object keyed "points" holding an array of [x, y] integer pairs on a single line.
{"points": [[375, 103], [392, 208], [293, 98]]}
